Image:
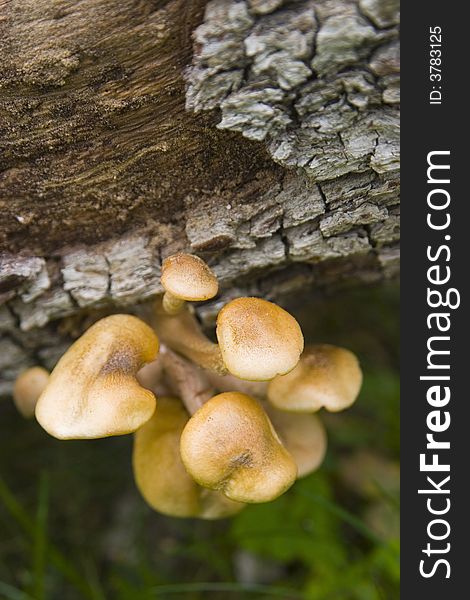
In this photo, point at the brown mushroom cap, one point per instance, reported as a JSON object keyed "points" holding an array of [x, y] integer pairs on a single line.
{"points": [[29, 385], [160, 474], [258, 339], [92, 391], [304, 436], [187, 277], [326, 376], [230, 445]]}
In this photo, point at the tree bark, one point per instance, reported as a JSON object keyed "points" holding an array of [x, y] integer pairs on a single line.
{"points": [[259, 134]]}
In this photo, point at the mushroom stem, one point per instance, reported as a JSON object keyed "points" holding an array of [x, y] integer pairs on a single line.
{"points": [[185, 380], [29, 385], [231, 383], [183, 334], [230, 446], [171, 304], [151, 377]]}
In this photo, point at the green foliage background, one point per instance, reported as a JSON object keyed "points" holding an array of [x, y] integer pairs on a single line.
{"points": [[73, 526]]}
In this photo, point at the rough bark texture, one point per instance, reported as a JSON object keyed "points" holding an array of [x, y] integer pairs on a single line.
{"points": [[260, 134]]}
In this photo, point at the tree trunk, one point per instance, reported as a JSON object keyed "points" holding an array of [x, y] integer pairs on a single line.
{"points": [[259, 134]]}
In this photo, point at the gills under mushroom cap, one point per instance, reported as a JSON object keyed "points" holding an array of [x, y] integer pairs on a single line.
{"points": [[230, 445], [160, 474], [258, 339], [326, 376], [187, 277], [93, 391]]}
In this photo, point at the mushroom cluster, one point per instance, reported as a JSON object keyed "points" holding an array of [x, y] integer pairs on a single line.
{"points": [[216, 425]]}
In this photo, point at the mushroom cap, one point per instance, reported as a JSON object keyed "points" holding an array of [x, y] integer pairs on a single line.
{"points": [[29, 385], [326, 376], [230, 445], [160, 474], [304, 436], [92, 391], [258, 339], [215, 505], [187, 277]]}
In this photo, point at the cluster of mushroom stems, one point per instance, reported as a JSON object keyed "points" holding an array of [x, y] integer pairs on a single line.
{"points": [[216, 425]]}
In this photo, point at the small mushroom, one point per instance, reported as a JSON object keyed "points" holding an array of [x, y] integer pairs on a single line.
{"points": [[185, 380], [93, 391], [258, 339], [304, 436], [29, 385], [160, 474], [229, 445], [186, 277], [326, 376]]}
